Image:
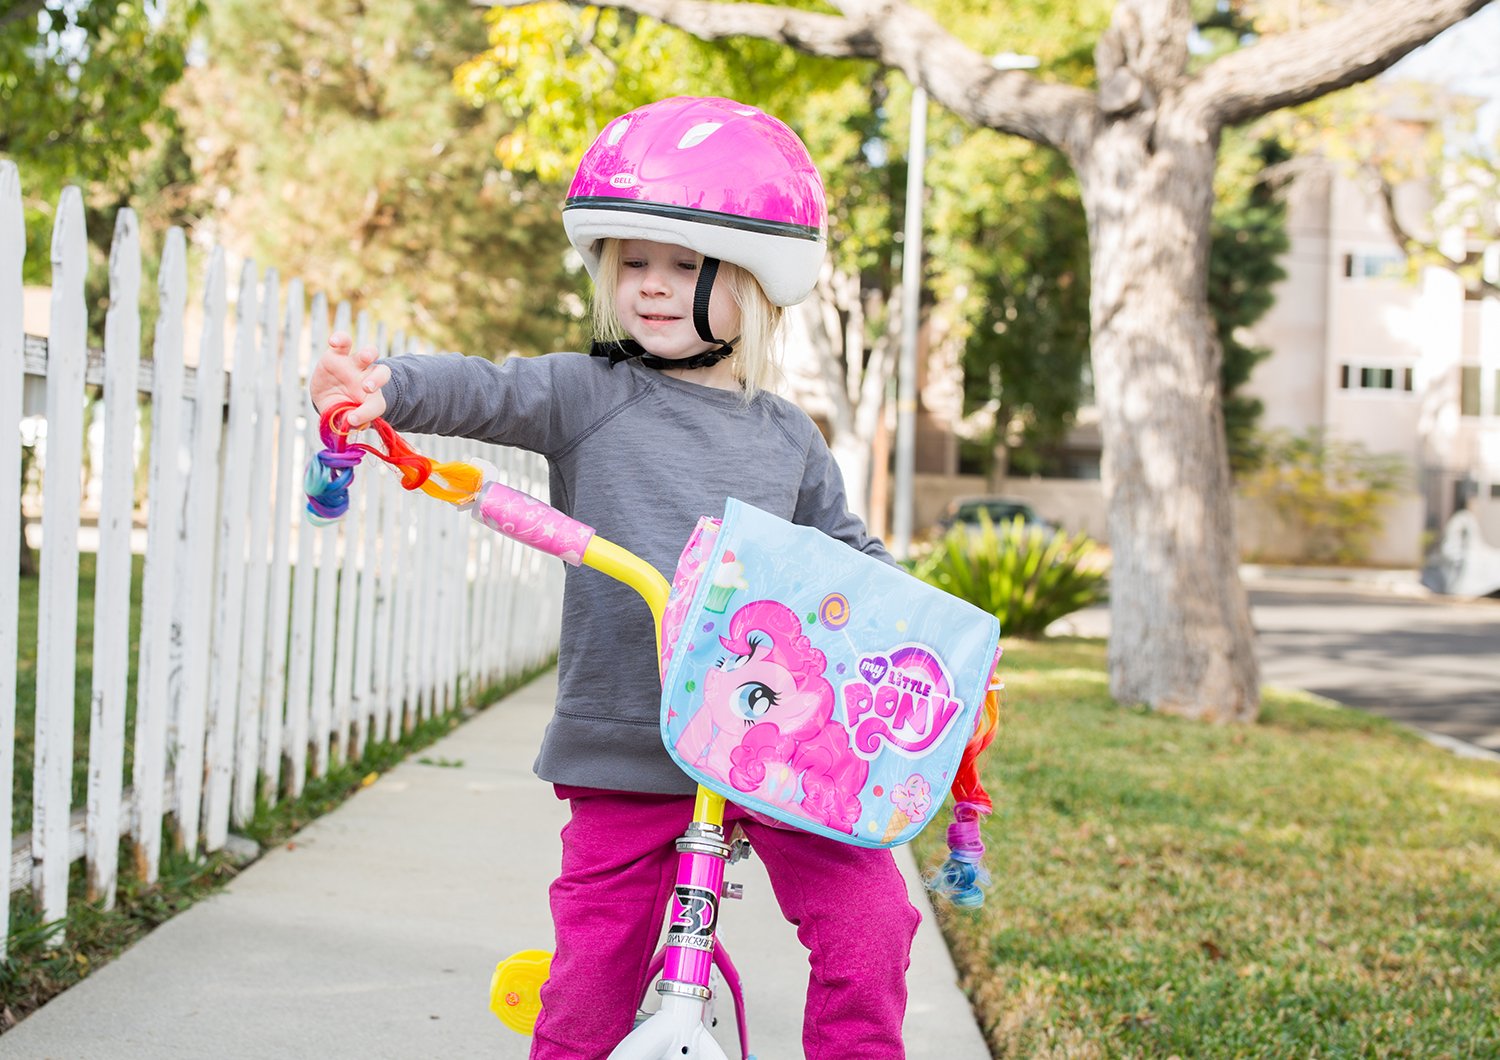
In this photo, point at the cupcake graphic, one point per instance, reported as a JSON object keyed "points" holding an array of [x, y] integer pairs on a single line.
{"points": [[728, 576]]}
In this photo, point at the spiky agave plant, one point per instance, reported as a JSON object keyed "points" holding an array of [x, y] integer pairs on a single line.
{"points": [[1027, 576]]}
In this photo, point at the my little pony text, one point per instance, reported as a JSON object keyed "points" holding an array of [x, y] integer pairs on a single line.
{"points": [[901, 699]]}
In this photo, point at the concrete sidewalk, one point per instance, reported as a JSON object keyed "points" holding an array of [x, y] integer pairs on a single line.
{"points": [[374, 933]]}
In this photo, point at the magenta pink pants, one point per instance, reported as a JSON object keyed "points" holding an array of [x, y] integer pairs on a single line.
{"points": [[848, 903]]}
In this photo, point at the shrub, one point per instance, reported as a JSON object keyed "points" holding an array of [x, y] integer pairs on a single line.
{"points": [[1333, 493], [1026, 576]]}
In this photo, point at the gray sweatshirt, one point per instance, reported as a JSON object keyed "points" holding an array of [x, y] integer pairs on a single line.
{"points": [[638, 456]]}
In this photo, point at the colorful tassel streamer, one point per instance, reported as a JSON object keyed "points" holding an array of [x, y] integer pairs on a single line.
{"points": [[331, 472], [962, 877]]}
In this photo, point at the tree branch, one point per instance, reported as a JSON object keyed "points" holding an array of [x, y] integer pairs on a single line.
{"points": [[897, 35], [1422, 249], [1142, 54], [1292, 68]]}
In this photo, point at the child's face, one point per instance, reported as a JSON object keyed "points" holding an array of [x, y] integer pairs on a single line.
{"points": [[654, 299]]}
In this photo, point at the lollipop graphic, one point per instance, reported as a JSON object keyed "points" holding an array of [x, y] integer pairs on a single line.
{"points": [[833, 612]]}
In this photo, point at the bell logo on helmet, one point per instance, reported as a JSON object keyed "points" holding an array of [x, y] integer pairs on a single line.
{"points": [[623, 180]]}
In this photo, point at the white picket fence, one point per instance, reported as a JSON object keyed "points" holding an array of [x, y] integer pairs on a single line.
{"points": [[269, 649]]}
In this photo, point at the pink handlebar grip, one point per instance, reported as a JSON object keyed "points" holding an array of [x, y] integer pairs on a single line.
{"points": [[522, 517]]}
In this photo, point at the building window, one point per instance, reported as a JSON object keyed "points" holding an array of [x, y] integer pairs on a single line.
{"points": [[1468, 390], [1376, 377], [1375, 265]]}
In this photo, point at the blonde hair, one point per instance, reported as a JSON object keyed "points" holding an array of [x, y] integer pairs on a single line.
{"points": [[755, 363]]}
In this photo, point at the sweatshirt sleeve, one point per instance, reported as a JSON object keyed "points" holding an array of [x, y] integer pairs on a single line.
{"points": [[518, 402], [822, 502]]}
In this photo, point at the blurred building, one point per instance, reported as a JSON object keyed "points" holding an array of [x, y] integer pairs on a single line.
{"points": [[1399, 364]]}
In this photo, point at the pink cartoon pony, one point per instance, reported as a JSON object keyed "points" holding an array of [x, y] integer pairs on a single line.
{"points": [[766, 721]]}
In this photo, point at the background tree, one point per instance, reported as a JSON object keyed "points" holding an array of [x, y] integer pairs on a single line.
{"points": [[1017, 252], [1013, 248], [328, 141], [81, 89], [1143, 143], [561, 74]]}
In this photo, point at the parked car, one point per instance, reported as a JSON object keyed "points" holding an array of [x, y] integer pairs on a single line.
{"points": [[1001, 510]]}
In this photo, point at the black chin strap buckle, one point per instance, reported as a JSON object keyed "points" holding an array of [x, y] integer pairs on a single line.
{"points": [[622, 350]]}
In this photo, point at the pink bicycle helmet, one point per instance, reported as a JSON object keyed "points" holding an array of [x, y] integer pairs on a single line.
{"points": [[710, 174]]}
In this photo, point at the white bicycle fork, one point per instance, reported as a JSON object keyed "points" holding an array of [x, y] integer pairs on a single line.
{"points": [[676, 1031]]}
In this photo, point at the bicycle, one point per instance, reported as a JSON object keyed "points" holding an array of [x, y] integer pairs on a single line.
{"points": [[901, 713]]}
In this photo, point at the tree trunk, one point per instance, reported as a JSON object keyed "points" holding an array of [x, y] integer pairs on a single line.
{"points": [[853, 456], [831, 325], [1180, 637]]}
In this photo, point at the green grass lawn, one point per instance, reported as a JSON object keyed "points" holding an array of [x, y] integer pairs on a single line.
{"points": [[25, 761], [1323, 883]]}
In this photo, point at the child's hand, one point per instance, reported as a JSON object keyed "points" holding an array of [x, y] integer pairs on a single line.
{"points": [[340, 375]]}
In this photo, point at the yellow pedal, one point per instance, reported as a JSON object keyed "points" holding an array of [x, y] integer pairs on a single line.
{"points": [[516, 989]]}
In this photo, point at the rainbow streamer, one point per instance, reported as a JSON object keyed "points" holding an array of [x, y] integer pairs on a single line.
{"points": [[331, 472], [962, 877]]}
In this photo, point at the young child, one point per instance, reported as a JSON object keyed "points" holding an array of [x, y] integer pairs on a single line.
{"points": [[699, 220]]}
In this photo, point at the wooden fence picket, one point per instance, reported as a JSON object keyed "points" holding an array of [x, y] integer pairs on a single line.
{"points": [[348, 594], [431, 568], [259, 462], [159, 660], [198, 559], [57, 601], [404, 560], [287, 511], [12, 380], [309, 537], [263, 655], [368, 527], [106, 761], [325, 595], [387, 643], [441, 549], [229, 580]]}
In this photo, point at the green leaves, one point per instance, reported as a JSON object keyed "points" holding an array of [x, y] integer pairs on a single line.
{"points": [[1025, 575], [83, 89], [329, 140]]}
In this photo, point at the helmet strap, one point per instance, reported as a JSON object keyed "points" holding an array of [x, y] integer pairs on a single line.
{"points": [[625, 349]]}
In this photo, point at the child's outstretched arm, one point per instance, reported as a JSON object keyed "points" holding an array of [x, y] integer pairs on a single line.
{"points": [[344, 374]]}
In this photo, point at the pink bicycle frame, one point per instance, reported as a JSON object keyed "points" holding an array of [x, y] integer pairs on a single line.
{"points": [[692, 950]]}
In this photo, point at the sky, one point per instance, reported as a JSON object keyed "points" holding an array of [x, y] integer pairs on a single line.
{"points": [[1466, 59]]}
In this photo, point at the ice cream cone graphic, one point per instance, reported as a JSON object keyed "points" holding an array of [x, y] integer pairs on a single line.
{"points": [[899, 822]]}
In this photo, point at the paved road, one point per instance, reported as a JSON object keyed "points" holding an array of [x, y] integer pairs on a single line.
{"points": [[1431, 662], [1428, 661]]}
